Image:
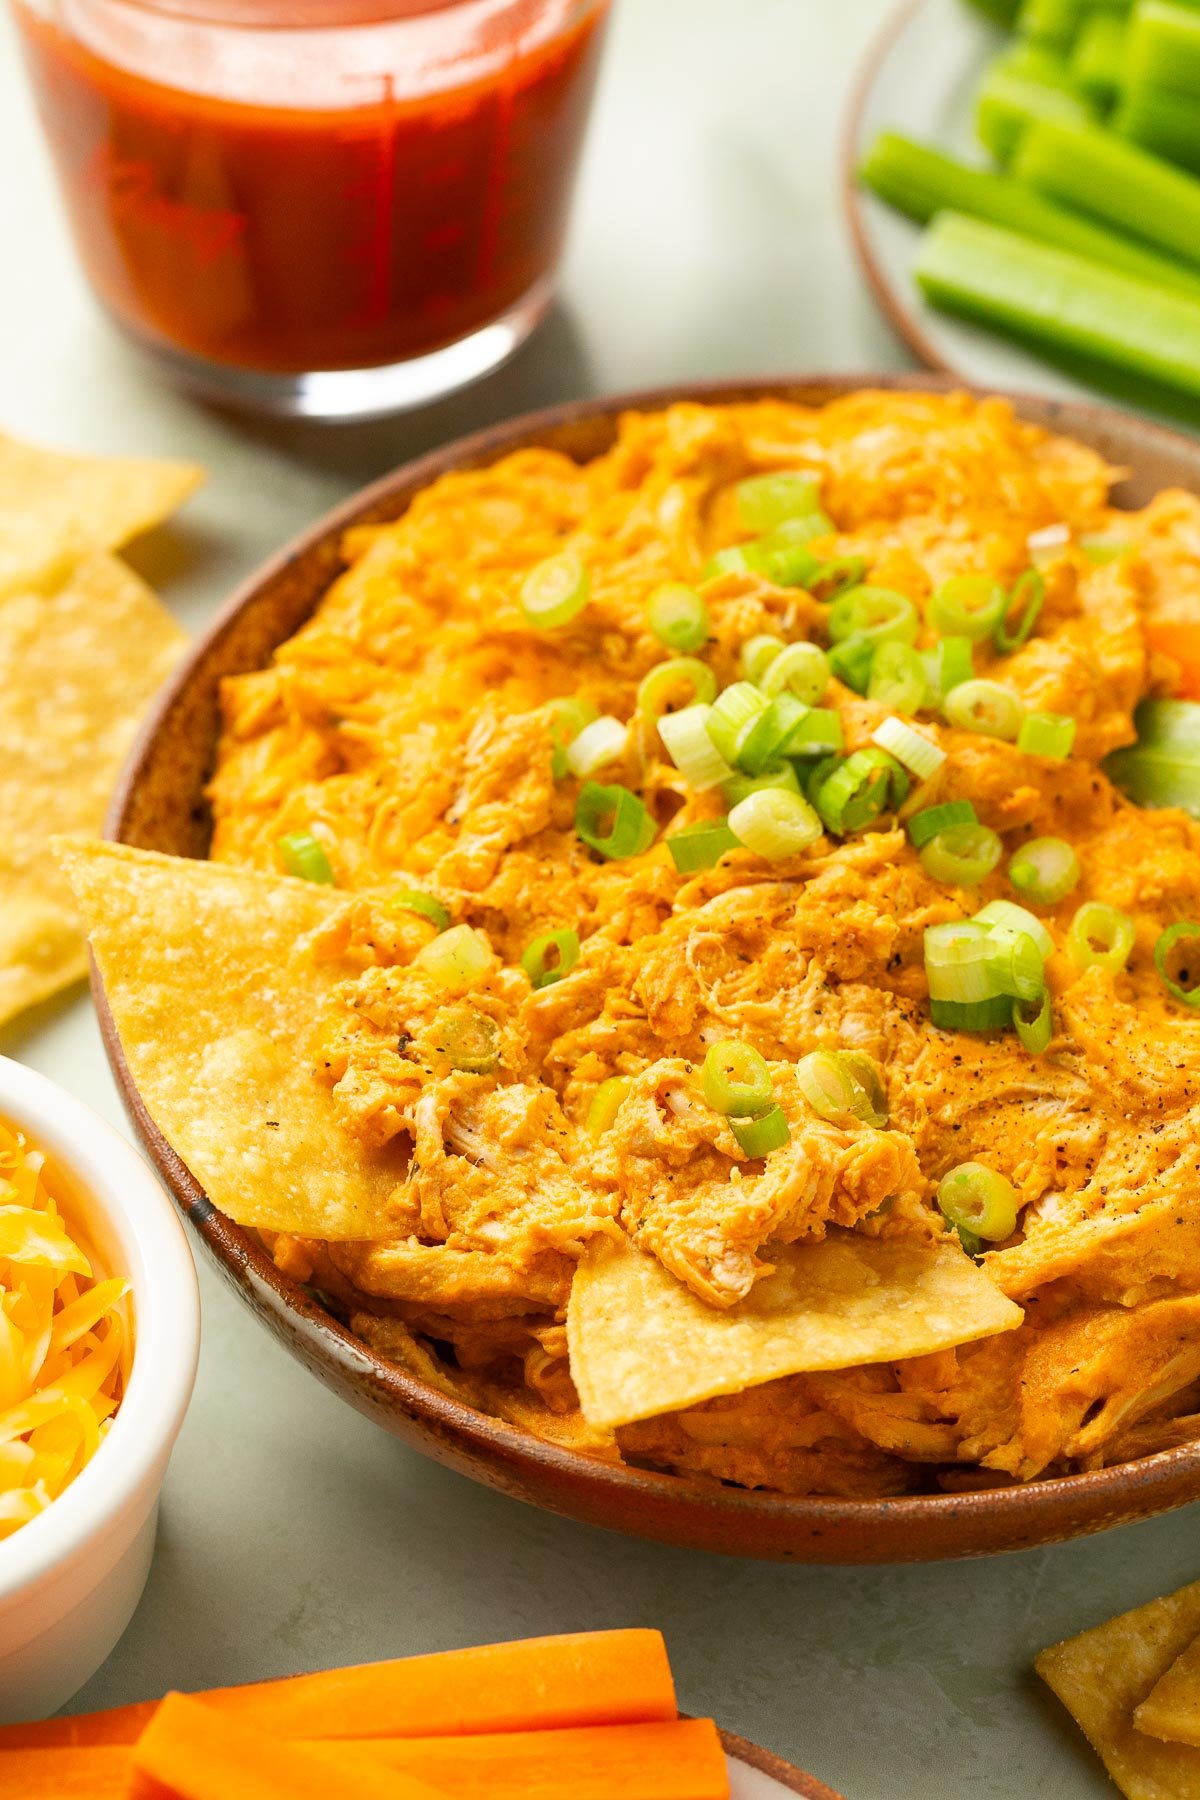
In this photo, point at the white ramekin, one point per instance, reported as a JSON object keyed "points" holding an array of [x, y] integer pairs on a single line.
{"points": [[71, 1578]]}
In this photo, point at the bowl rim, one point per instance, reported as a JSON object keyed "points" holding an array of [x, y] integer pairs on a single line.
{"points": [[981, 1516], [119, 1183]]}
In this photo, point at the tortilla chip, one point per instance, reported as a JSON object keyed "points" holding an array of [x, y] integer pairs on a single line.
{"points": [[641, 1343], [1102, 1675], [78, 666], [216, 1000], [1171, 1709], [52, 504]]}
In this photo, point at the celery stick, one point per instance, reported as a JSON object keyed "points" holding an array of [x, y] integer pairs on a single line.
{"points": [[1050, 297], [1168, 124], [921, 181], [1026, 84], [1164, 47], [1107, 176], [1000, 12], [1050, 22], [1098, 61]]}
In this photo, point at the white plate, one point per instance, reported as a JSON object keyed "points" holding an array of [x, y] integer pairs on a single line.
{"points": [[920, 79]]}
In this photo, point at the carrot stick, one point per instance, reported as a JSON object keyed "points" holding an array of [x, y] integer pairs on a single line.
{"points": [[1180, 640], [197, 1754], [592, 1678], [96, 1774]]}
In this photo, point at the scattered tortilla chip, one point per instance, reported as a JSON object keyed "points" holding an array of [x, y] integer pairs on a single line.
{"points": [[78, 666], [216, 1000], [1171, 1709], [641, 1343], [53, 503], [1102, 1675]]}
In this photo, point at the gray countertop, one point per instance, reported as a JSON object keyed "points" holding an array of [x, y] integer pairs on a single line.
{"points": [[706, 241]]}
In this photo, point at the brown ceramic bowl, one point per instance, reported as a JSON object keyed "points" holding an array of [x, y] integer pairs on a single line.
{"points": [[160, 806], [786, 1774]]}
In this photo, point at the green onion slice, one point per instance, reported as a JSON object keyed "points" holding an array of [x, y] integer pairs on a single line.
{"points": [[1015, 964], [1177, 959], [1035, 1033], [766, 738], [602, 742], [1100, 548], [779, 775], [1046, 734], [570, 717], [993, 1014], [670, 686], [467, 1039], [784, 557], [631, 830], [1163, 767], [767, 500], [801, 670], [897, 678], [969, 606], [678, 617], [412, 900], [457, 958], [1100, 934], [1045, 870], [962, 855], [985, 708], [931, 820], [842, 1085], [859, 790], [880, 614], [851, 662], [1025, 600], [919, 754], [817, 734], [606, 1103], [735, 559], [555, 591], [732, 715], [977, 1199], [549, 957], [303, 856], [758, 653], [700, 846], [1010, 917], [947, 666], [687, 742], [758, 1137], [956, 963], [831, 578], [774, 824], [736, 1080]]}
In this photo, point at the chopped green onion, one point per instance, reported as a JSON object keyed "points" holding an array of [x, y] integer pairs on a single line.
{"points": [[758, 653], [1035, 1033], [779, 775], [1026, 600], [851, 661], [878, 613], [791, 534], [799, 669], [670, 686], [931, 820], [897, 679], [570, 717], [816, 776], [1010, 917], [856, 793], [631, 830], [766, 738], [992, 1014], [732, 715], [758, 1137], [1015, 964], [606, 1103], [817, 733], [947, 666], [598, 744], [1163, 767], [956, 963], [678, 617], [841, 1085], [1046, 734], [1045, 870], [688, 744], [831, 578], [468, 1040], [1100, 934], [736, 1080], [962, 855], [1177, 959], [303, 856], [967, 606], [784, 563], [985, 708], [735, 559], [774, 824], [918, 753], [555, 590], [412, 900], [1100, 549], [700, 846], [977, 1199], [549, 957], [457, 958], [766, 500]]}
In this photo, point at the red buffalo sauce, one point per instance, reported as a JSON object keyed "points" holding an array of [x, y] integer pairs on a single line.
{"points": [[231, 196]]}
